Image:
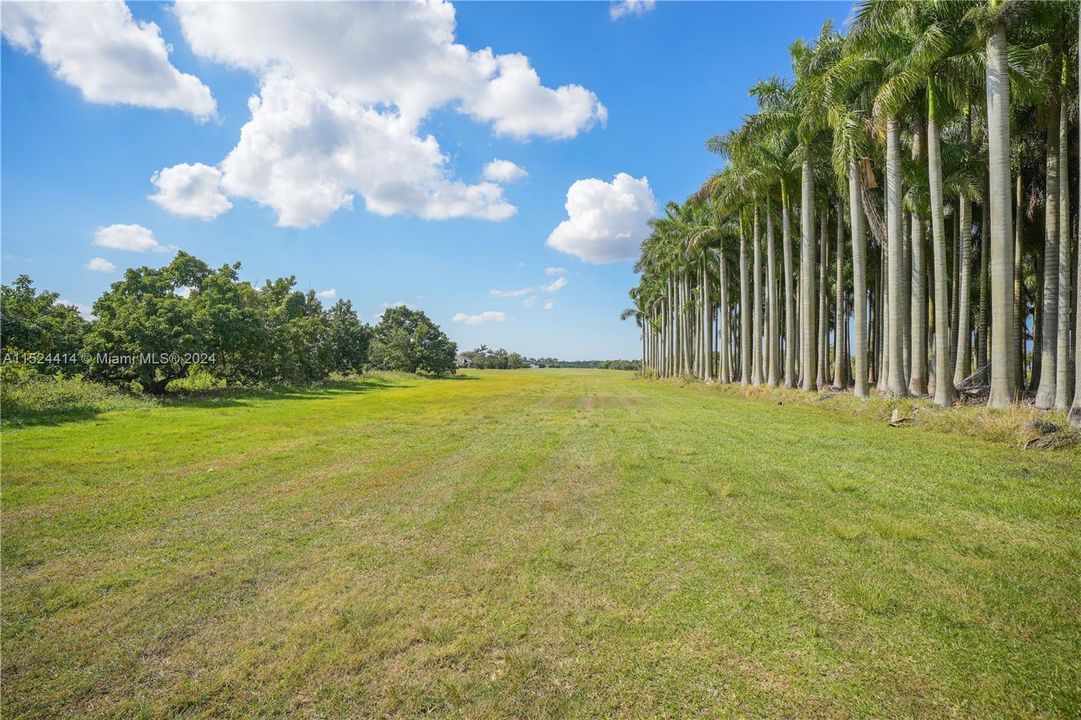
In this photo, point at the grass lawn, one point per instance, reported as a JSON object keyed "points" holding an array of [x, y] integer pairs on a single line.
{"points": [[534, 544]]}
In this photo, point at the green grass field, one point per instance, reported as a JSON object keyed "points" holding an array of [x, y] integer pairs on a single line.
{"points": [[533, 544]]}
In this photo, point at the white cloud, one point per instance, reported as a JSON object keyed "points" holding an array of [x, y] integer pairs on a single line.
{"points": [[135, 238], [99, 48], [550, 271], [100, 264], [606, 222], [192, 191], [306, 153], [85, 310], [555, 285], [530, 302], [622, 8], [344, 88], [328, 294], [549, 305], [511, 293], [487, 316], [504, 171]]}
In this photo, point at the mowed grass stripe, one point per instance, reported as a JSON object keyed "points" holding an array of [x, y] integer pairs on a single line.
{"points": [[531, 544]]}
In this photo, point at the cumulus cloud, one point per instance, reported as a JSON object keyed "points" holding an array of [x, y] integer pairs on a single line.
{"points": [[135, 238], [623, 8], [100, 264], [530, 302], [548, 305], [511, 293], [555, 285], [306, 153], [504, 171], [328, 294], [191, 191], [488, 316], [550, 271], [606, 222], [344, 88], [100, 49]]}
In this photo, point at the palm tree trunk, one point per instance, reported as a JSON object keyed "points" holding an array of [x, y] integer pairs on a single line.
{"points": [[722, 330], [744, 307], [859, 280], [823, 307], [906, 295], [756, 352], [963, 355], [883, 330], [1020, 310], [789, 295], [985, 293], [896, 381], [917, 383], [1003, 387], [1045, 393], [707, 326], [943, 389], [773, 340], [687, 327], [1075, 408], [807, 279], [840, 318], [1062, 343]]}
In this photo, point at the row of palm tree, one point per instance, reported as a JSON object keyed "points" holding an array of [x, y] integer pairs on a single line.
{"points": [[894, 218]]}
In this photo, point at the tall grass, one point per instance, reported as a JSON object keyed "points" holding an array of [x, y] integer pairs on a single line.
{"points": [[46, 399]]}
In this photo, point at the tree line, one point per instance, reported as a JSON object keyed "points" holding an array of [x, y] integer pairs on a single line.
{"points": [[485, 358], [896, 217], [187, 320]]}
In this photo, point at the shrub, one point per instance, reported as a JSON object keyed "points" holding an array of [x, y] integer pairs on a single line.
{"points": [[198, 380], [39, 399]]}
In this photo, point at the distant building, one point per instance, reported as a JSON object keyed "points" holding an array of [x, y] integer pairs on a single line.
{"points": [[462, 361]]}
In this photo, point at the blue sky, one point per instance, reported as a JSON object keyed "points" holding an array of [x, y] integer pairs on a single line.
{"points": [[76, 159]]}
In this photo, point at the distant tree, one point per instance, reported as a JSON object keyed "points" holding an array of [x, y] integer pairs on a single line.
{"points": [[145, 313], [34, 322], [408, 341], [349, 338], [515, 361]]}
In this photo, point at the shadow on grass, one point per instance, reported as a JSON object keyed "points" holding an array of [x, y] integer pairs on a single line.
{"points": [[61, 411], [242, 397]]}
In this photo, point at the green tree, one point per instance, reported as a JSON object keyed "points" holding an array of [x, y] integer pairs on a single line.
{"points": [[407, 340]]}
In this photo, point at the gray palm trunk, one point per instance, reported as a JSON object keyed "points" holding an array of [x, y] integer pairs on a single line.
{"points": [[840, 318], [823, 312], [808, 344], [943, 384], [707, 326], [685, 329], [756, 351], [1045, 393], [917, 380], [744, 308], [962, 353], [1075, 409], [896, 385], [773, 341], [1003, 323], [858, 241], [789, 295], [1062, 357], [725, 369], [985, 291]]}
